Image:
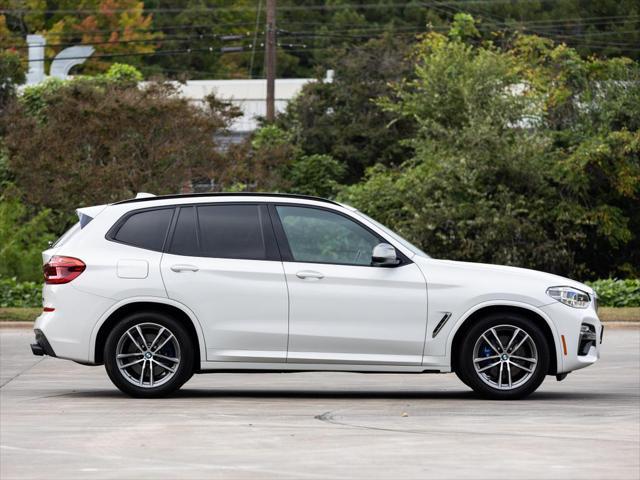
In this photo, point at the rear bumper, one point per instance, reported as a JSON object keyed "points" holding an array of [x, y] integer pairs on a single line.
{"points": [[42, 345]]}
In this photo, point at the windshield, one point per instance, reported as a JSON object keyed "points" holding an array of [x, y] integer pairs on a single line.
{"points": [[394, 235]]}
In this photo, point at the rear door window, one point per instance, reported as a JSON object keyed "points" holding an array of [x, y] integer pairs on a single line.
{"points": [[146, 229], [239, 231]]}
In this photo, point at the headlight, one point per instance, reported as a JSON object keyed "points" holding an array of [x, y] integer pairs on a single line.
{"points": [[570, 296]]}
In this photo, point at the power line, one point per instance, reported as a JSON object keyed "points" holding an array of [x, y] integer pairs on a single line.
{"points": [[170, 38], [200, 10]]}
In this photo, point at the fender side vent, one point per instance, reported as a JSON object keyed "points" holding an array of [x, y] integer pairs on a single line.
{"points": [[441, 324]]}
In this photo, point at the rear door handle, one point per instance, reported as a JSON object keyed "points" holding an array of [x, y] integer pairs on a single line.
{"points": [[309, 275], [184, 268]]}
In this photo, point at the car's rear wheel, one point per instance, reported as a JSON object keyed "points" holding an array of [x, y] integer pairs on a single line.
{"points": [[149, 354], [503, 357]]}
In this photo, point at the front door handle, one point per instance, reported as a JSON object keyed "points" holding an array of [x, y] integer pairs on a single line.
{"points": [[309, 275], [184, 268]]}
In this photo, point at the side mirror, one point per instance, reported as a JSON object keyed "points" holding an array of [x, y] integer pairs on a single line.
{"points": [[384, 255]]}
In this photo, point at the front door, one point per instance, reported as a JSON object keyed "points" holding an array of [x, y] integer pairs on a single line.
{"points": [[222, 263], [342, 309]]}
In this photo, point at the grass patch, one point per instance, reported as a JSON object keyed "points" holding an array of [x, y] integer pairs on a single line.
{"points": [[19, 314], [622, 314]]}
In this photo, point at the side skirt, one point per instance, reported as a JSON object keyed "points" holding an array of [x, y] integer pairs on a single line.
{"points": [[210, 367]]}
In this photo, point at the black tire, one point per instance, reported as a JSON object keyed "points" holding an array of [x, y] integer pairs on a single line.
{"points": [[182, 344], [481, 382]]}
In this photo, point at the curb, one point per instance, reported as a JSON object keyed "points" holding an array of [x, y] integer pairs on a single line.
{"points": [[16, 324]]}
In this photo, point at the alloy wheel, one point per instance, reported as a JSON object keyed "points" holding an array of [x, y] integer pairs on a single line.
{"points": [[148, 355], [505, 357]]}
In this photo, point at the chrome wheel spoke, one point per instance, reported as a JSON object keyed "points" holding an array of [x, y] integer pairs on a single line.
{"points": [[521, 367], [165, 342], [134, 342], [515, 334], [126, 355], [157, 337], [490, 344], [524, 359], [500, 375], [144, 341], [500, 347], [489, 366], [164, 357], [172, 370], [508, 373], [144, 364], [151, 374], [476, 360], [135, 362], [526, 337]]}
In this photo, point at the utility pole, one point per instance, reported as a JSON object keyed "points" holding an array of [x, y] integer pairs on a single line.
{"points": [[270, 59]]}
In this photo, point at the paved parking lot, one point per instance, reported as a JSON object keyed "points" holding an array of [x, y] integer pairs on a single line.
{"points": [[66, 421]]}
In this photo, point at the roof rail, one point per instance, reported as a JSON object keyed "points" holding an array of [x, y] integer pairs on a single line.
{"points": [[223, 194]]}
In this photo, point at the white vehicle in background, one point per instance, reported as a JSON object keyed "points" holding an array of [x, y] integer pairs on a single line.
{"points": [[160, 288]]}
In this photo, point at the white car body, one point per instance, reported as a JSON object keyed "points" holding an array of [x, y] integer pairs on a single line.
{"points": [[285, 315]]}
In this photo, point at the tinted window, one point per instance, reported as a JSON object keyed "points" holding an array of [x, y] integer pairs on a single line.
{"points": [[319, 236], [184, 240], [145, 229], [232, 231]]}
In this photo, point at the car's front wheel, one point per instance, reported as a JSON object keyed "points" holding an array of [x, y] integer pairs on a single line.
{"points": [[503, 357], [148, 354]]}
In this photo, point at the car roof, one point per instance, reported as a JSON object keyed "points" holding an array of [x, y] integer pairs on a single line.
{"points": [[224, 194]]}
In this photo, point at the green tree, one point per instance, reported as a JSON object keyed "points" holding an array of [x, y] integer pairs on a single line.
{"points": [[317, 175], [23, 236], [95, 141], [500, 172], [341, 118]]}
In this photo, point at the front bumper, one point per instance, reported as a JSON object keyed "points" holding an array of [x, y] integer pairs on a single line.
{"points": [[569, 323]]}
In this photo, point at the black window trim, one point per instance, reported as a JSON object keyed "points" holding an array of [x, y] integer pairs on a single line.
{"points": [[281, 252], [272, 251], [285, 250], [113, 231]]}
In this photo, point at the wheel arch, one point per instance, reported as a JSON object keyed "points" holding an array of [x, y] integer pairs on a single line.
{"points": [[124, 308], [533, 314]]}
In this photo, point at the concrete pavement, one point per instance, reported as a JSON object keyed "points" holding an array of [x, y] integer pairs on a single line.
{"points": [[66, 421]]}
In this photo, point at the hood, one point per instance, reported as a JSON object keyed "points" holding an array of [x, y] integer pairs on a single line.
{"points": [[493, 281]]}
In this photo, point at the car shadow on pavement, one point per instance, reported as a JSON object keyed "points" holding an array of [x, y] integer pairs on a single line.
{"points": [[186, 393]]}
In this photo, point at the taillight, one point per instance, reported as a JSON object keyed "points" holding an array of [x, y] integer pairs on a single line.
{"points": [[62, 269]]}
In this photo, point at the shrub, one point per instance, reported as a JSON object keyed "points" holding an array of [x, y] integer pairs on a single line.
{"points": [[617, 293], [19, 294], [24, 234]]}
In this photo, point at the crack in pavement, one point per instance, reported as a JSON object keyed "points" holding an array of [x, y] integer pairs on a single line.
{"points": [[329, 418], [21, 373]]}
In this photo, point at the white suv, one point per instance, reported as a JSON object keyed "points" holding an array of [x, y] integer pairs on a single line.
{"points": [[160, 288]]}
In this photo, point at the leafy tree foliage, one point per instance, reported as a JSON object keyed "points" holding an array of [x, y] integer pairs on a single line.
{"points": [[525, 157], [90, 142], [23, 236], [341, 118]]}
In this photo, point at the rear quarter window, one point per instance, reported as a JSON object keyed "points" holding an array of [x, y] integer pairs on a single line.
{"points": [[145, 229]]}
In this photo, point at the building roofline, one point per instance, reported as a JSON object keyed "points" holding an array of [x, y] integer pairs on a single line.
{"points": [[224, 194]]}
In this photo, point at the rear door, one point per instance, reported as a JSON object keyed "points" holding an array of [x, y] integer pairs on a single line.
{"points": [[222, 262]]}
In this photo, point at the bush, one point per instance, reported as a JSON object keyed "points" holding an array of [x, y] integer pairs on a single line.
{"points": [[19, 294], [24, 234], [617, 293]]}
